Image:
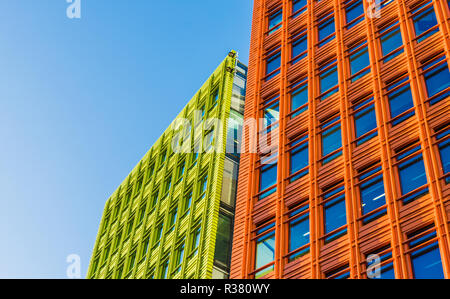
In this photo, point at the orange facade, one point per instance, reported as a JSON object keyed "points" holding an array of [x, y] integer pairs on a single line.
{"points": [[409, 220]]}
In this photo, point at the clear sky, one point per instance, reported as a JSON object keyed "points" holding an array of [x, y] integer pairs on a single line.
{"points": [[81, 102]]}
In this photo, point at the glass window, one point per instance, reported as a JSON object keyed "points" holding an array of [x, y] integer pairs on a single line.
{"points": [[331, 140], [411, 172], [299, 158], [223, 239], [158, 234], [187, 202], [299, 6], [275, 20], [391, 41], [326, 29], [328, 77], [437, 79], [299, 98], [144, 247], [424, 19], [141, 214], [165, 269], [132, 261], [379, 264], [265, 251], [268, 178], [444, 151], [180, 171], [334, 213], [400, 100], [172, 217], [425, 257], [359, 61], [372, 194], [354, 12], [365, 121], [203, 186], [273, 64], [299, 47], [338, 273], [179, 255], [271, 114], [195, 239], [299, 232]]}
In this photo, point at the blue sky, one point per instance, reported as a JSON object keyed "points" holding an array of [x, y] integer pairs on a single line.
{"points": [[81, 101]]}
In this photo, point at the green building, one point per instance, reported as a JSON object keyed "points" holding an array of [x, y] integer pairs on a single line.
{"points": [[172, 217]]}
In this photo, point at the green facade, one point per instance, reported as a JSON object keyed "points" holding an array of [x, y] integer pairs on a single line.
{"points": [[164, 219]]}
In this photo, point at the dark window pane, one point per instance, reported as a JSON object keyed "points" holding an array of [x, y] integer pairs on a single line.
{"points": [[299, 98], [298, 6], [331, 140], [412, 174], [299, 232], [299, 158], [328, 79], [359, 61], [353, 11], [268, 176], [390, 42], [437, 79], [275, 20], [400, 100], [326, 28], [365, 121], [423, 21], [224, 231]]}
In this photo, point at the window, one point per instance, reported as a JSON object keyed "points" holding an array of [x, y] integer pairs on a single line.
{"points": [[326, 29], [334, 213], [298, 7], [411, 172], [223, 240], [172, 218], [179, 255], [118, 239], [155, 198], [299, 158], [299, 47], [132, 261], [215, 97], [437, 79], [299, 98], [139, 184], [144, 247], [180, 171], [443, 143], [273, 63], [106, 253], [371, 192], [424, 254], [195, 240], [271, 114], [141, 214], [401, 104], [268, 177], [354, 12], [391, 41], [165, 269], [119, 272], [130, 227], [275, 20], [203, 186], [342, 272], [424, 19], [158, 234], [187, 202], [359, 61], [163, 157], [265, 250], [150, 171], [365, 121], [379, 264], [167, 185], [331, 139], [328, 79], [299, 232]]}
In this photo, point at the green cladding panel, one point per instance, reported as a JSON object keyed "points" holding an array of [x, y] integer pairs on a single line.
{"points": [[163, 219]]}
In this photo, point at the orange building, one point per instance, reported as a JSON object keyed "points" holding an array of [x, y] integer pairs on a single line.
{"points": [[354, 180]]}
